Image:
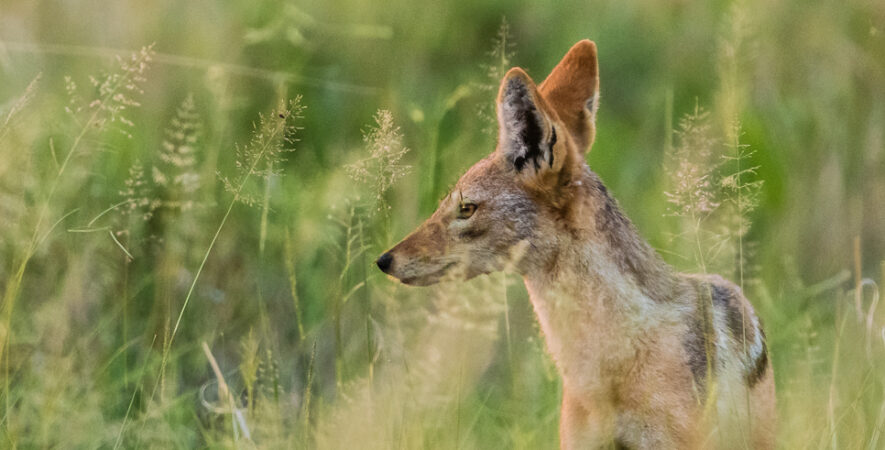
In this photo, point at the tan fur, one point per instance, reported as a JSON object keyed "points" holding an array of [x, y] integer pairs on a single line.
{"points": [[649, 358]]}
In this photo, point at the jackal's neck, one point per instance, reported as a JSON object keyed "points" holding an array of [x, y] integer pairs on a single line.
{"points": [[603, 286], [601, 251], [602, 260]]}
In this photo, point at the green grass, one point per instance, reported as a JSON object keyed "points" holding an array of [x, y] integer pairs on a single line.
{"points": [[145, 210]]}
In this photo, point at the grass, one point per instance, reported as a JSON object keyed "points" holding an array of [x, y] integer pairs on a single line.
{"points": [[174, 277]]}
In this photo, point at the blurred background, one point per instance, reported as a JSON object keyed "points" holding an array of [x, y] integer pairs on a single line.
{"points": [[186, 261]]}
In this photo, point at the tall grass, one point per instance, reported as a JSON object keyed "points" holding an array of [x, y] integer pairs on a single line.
{"points": [[173, 277]]}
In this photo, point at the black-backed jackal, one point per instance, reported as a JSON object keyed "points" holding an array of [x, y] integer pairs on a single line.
{"points": [[649, 358]]}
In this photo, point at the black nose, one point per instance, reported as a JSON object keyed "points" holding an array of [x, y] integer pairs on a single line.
{"points": [[384, 262]]}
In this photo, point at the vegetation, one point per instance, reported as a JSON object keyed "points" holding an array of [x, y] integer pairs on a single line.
{"points": [[192, 195]]}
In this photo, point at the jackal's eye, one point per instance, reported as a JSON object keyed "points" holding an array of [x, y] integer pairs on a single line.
{"points": [[465, 210]]}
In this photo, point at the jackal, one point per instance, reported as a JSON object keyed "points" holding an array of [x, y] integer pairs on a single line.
{"points": [[649, 358]]}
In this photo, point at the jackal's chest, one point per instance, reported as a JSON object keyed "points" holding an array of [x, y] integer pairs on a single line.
{"points": [[585, 338]]}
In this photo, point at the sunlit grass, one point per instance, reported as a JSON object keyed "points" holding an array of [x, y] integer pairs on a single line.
{"points": [[173, 278]]}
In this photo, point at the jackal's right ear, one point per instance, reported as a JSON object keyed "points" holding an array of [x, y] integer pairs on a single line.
{"points": [[572, 90], [525, 136]]}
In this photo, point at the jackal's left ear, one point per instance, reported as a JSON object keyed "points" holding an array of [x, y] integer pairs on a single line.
{"points": [[525, 136], [572, 90]]}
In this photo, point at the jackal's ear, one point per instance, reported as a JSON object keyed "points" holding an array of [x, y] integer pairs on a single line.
{"points": [[525, 136], [572, 90]]}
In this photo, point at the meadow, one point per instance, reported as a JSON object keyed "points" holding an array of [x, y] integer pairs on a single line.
{"points": [[193, 194]]}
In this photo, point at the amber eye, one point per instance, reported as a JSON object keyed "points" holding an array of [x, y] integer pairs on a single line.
{"points": [[465, 210]]}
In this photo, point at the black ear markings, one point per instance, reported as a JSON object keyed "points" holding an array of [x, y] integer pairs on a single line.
{"points": [[523, 128], [552, 143], [523, 123]]}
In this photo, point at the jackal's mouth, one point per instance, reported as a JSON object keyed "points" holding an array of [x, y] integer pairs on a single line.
{"points": [[428, 279]]}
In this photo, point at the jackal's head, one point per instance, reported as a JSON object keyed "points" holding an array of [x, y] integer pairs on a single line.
{"points": [[513, 203]]}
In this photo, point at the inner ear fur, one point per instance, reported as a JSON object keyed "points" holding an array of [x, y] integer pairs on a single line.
{"points": [[527, 126], [572, 90]]}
